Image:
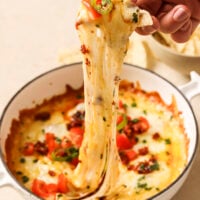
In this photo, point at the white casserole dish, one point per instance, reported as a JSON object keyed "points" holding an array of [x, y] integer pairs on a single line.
{"points": [[53, 82]]}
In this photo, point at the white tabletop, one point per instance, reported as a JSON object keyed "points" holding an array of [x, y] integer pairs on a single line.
{"points": [[32, 35]]}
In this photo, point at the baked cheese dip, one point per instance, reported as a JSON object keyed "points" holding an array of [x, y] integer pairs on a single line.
{"points": [[43, 147]]}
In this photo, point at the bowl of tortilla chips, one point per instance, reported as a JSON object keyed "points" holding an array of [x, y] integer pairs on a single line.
{"points": [[185, 57]]}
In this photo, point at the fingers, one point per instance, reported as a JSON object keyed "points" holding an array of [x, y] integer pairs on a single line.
{"points": [[152, 6], [172, 18], [176, 20], [185, 32]]}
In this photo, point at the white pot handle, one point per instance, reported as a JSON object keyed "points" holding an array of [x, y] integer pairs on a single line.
{"points": [[5, 179], [192, 88]]}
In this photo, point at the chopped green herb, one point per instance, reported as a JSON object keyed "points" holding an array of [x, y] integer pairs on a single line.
{"points": [[22, 160], [35, 160], [145, 112], [135, 17], [65, 154], [136, 120], [79, 96], [167, 141], [134, 104], [25, 179], [144, 141], [142, 185], [58, 140], [123, 123], [19, 173], [141, 178], [154, 166], [59, 195]]}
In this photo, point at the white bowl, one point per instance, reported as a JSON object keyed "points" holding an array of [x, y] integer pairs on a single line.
{"points": [[183, 63], [54, 82]]}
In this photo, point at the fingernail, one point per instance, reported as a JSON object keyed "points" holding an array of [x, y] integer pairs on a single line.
{"points": [[181, 15]]}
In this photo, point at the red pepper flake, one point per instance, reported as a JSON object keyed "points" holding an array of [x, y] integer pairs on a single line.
{"points": [[84, 50], [87, 62], [156, 136], [147, 167], [51, 173], [143, 151]]}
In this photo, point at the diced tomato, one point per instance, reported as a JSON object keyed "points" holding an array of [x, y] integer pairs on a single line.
{"points": [[76, 135], [121, 105], [127, 156], [119, 119], [51, 142], [66, 143], [143, 151], [28, 149], [49, 137], [133, 141], [62, 184], [141, 125], [98, 1], [44, 190], [131, 154], [51, 188], [92, 12], [123, 142], [39, 188], [75, 162]]}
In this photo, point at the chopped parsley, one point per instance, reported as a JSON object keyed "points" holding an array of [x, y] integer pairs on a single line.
{"points": [[79, 96], [142, 184], [134, 104], [22, 160], [59, 195], [19, 173], [136, 120], [167, 141], [144, 141], [135, 17], [154, 166], [25, 179], [65, 154], [145, 112], [35, 160]]}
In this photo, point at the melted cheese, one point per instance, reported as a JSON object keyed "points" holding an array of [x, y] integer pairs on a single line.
{"points": [[102, 66]]}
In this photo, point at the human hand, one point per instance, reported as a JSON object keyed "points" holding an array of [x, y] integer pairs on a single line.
{"points": [[176, 17]]}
